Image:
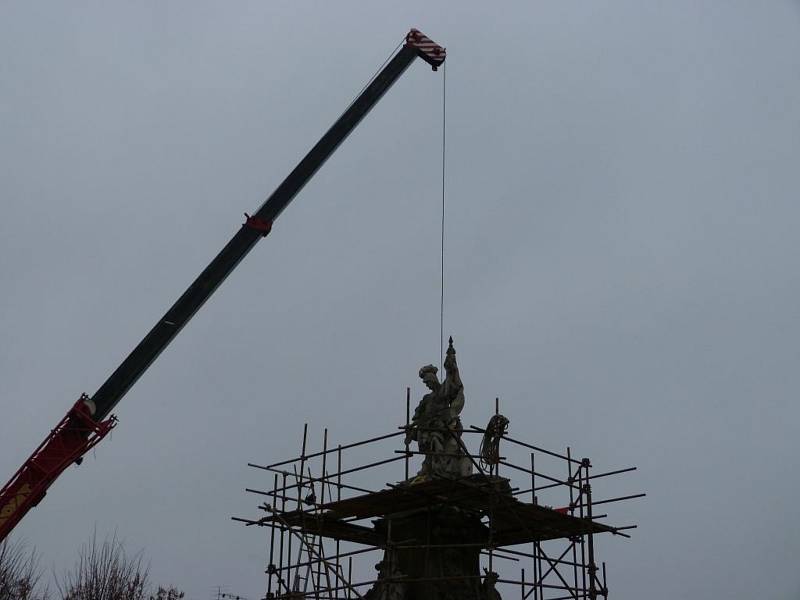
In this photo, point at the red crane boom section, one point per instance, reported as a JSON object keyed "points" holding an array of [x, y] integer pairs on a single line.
{"points": [[73, 437]]}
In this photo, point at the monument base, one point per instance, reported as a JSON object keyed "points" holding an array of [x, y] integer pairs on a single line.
{"points": [[434, 554]]}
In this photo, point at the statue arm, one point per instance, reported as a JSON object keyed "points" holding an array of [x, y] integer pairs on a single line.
{"points": [[452, 381], [453, 387]]}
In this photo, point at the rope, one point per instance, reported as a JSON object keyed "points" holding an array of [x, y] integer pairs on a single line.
{"points": [[444, 153], [490, 444]]}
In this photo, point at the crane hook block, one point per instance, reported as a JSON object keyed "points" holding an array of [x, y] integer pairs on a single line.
{"points": [[428, 50], [261, 225]]}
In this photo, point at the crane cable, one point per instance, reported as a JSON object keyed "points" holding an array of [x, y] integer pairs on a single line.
{"points": [[374, 75], [444, 154]]}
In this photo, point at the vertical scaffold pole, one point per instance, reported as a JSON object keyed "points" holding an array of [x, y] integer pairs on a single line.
{"points": [[281, 529], [497, 466], [533, 545], [573, 540], [408, 424], [587, 489], [271, 565], [338, 498]]}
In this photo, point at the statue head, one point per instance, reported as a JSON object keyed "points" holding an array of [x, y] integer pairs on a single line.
{"points": [[429, 378]]}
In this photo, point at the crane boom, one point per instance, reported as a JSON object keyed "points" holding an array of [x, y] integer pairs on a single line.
{"points": [[86, 424]]}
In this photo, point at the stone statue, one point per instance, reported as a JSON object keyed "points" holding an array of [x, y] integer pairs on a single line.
{"points": [[389, 585], [488, 589], [436, 425]]}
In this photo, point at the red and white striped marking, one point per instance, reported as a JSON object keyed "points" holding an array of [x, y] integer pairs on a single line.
{"points": [[429, 51]]}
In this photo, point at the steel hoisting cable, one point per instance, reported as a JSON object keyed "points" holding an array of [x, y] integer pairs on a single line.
{"points": [[444, 149], [444, 154], [374, 75]]}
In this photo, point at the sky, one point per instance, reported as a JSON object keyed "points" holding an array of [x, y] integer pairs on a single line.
{"points": [[620, 261]]}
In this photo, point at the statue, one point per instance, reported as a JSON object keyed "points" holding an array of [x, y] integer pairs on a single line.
{"points": [[488, 589], [390, 585], [436, 425]]}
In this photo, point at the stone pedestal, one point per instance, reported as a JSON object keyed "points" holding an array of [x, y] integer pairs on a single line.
{"points": [[440, 560]]}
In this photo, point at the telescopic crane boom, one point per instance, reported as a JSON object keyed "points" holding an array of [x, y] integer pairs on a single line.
{"points": [[86, 423]]}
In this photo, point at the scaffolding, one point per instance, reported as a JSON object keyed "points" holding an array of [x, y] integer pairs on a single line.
{"points": [[329, 512]]}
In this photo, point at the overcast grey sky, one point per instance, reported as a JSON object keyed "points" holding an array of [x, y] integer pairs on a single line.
{"points": [[622, 189]]}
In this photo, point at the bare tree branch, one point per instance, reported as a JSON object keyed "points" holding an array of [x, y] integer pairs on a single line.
{"points": [[20, 574], [104, 571]]}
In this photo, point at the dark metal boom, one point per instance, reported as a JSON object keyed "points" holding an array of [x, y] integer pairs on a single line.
{"points": [[84, 425]]}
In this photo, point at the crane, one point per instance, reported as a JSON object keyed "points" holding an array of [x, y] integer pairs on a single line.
{"points": [[90, 420]]}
